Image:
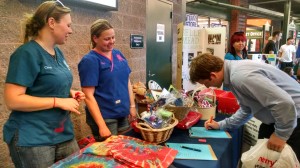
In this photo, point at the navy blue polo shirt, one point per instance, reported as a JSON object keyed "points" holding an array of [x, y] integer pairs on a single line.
{"points": [[43, 76], [110, 79]]}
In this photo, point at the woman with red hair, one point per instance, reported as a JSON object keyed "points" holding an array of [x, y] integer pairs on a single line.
{"points": [[237, 49]]}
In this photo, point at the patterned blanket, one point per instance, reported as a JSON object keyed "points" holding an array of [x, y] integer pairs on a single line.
{"points": [[121, 151]]}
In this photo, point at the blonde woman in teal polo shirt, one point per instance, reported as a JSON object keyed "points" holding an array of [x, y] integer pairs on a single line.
{"points": [[104, 76], [39, 131]]}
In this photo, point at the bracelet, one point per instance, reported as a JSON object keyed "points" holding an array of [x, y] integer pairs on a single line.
{"points": [[132, 106], [54, 102]]}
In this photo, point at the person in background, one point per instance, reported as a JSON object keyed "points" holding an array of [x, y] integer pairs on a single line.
{"points": [[287, 54], [104, 76], [271, 47], [298, 52], [290, 72], [263, 91], [296, 67], [39, 130], [237, 49]]}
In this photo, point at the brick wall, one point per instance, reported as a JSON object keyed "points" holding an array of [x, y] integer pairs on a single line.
{"points": [[129, 19], [238, 18]]}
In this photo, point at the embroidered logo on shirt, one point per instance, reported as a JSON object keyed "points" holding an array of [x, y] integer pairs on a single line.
{"points": [[102, 63], [118, 101], [47, 67], [120, 58]]}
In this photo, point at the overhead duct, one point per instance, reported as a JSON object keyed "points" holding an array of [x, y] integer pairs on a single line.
{"points": [[252, 11]]}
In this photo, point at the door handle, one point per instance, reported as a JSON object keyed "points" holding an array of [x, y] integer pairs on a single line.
{"points": [[150, 75]]}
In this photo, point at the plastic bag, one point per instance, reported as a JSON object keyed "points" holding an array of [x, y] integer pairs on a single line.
{"points": [[287, 158], [260, 156]]}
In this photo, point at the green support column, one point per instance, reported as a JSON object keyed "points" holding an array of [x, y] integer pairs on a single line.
{"points": [[286, 20]]}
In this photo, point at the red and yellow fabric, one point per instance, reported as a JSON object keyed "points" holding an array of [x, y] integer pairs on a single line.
{"points": [[133, 152]]}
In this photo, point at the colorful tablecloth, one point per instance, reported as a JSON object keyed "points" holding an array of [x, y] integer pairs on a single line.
{"points": [[121, 151]]}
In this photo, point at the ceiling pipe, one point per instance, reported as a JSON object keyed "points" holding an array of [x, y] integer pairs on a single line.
{"points": [[266, 2], [211, 2]]}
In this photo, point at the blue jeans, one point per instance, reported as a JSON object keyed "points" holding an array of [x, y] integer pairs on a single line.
{"points": [[114, 125], [40, 156]]}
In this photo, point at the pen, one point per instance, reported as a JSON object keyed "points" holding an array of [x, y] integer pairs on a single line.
{"points": [[194, 149], [211, 118]]}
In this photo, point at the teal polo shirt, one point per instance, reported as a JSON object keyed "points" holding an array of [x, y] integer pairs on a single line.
{"points": [[43, 76], [229, 56]]}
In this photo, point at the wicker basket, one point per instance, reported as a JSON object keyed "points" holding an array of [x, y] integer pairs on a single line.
{"points": [[179, 112], [156, 135]]}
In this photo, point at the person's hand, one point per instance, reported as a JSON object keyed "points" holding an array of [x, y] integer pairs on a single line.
{"points": [[78, 95], [68, 104], [104, 132], [132, 115], [275, 143], [211, 124]]}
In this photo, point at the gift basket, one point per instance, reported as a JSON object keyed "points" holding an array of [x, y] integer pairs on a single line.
{"points": [[157, 123], [179, 103], [157, 135], [205, 102]]}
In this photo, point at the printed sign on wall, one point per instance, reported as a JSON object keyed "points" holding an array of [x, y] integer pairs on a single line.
{"points": [[160, 33], [191, 20]]}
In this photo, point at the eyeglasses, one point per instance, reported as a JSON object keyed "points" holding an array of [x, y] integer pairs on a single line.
{"points": [[57, 3]]}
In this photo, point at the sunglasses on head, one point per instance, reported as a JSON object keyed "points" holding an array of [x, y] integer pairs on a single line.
{"points": [[57, 3], [238, 33]]}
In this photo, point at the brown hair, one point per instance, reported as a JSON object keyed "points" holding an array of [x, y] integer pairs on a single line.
{"points": [[276, 33], [288, 70], [97, 28], [203, 65], [35, 22]]}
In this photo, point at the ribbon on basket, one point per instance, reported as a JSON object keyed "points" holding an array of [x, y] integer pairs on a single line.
{"points": [[204, 97], [205, 102]]}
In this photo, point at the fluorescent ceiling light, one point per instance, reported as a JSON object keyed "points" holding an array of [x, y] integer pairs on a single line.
{"points": [[110, 3]]}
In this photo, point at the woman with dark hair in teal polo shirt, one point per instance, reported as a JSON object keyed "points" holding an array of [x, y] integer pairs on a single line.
{"points": [[104, 76], [39, 131], [237, 49]]}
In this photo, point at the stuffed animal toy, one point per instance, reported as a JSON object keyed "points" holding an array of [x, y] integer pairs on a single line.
{"points": [[139, 88]]}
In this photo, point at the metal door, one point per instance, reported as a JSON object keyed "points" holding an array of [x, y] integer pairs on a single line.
{"points": [[159, 42]]}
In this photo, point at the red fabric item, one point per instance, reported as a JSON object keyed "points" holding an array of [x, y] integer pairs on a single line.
{"points": [[133, 125], [133, 152], [227, 103], [85, 141], [191, 119]]}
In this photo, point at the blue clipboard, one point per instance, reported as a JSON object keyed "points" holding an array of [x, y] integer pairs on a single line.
{"points": [[204, 151], [201, 132]]}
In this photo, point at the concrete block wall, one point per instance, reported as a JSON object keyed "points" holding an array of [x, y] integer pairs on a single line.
{"points": [[129, 19]]}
